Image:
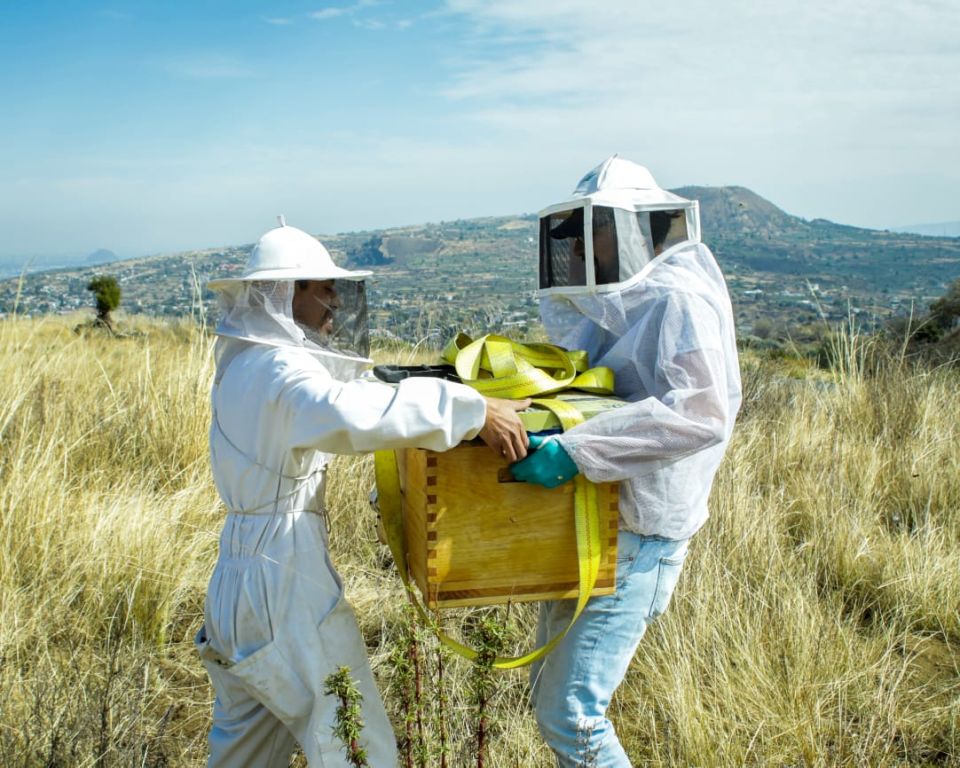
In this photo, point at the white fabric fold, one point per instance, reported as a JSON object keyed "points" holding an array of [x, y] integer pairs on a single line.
{"points": [[669, 338]]}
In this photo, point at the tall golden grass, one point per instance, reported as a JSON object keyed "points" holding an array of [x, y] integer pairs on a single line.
{"points": [[817, 622]]}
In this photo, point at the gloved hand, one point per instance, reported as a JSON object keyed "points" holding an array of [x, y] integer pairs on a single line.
{"points": [[548, 464]]}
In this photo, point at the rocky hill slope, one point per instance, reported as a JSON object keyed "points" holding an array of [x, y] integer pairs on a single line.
{"points": [[479, 274]]}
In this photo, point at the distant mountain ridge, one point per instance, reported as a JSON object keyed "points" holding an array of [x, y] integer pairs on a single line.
{"points": [[729, 209], [936, 229], [736, 210], [13, 267], [101, 256], [482, 272]]}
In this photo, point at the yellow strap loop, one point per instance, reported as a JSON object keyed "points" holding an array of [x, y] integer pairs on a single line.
{"points": [[498, 367], [586, 521]]}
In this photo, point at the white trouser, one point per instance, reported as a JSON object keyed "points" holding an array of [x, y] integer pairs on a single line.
{"points": [[276, 626]]}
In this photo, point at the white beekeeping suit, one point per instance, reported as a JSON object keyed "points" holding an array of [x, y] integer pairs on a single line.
{"points": [[624, 276], [659, 315], [285, 400]]}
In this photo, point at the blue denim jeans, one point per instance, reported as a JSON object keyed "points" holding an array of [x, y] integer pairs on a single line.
{"points": [[571, 688]]}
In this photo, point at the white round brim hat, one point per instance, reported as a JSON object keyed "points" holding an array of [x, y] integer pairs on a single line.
{"points": [[288, 253]]}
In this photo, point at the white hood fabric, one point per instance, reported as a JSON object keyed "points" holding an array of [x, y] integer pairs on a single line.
{"points": [[257, 306], [261, 312], [668, 334]]}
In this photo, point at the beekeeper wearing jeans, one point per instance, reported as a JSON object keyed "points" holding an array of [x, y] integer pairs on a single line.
{"points": [[286, 397], [624, 276]]}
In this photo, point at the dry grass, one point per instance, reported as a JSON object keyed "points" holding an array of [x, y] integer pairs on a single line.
{"points": [[817, 623]]}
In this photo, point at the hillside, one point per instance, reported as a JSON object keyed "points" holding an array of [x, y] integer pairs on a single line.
{"points": [[479, 274]]}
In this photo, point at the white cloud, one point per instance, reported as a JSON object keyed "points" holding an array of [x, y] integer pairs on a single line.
{"points": [[374, 25], [846, 110], [360, 20], [774, 94], [329, 13], [278, 21], [333, 12], [565, 47]]}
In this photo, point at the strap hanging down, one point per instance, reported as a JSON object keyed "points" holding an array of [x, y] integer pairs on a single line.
{"points": [[586, 520]]}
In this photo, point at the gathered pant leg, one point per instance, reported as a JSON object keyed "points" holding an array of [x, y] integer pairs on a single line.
{"points": [[275, 698], [245, 732], [572, 686], [276, 626]]}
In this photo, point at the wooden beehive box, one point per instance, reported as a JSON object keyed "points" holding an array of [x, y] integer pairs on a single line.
{"points": [[475, 537]]}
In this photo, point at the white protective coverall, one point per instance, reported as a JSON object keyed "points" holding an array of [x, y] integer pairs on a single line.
{"points": [[666, 328], [275, 622], [624, 276]]}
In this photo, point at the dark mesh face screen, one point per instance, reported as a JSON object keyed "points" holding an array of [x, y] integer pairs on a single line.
{"points": [[562, 250], [351, 332]]}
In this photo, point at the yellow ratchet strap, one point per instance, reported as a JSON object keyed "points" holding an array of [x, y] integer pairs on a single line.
{"points": [[496, 366], [586, 520]]}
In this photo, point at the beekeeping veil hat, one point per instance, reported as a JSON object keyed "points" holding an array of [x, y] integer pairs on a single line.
{"points": [[257, 306], [599, 248], [617, 221]]}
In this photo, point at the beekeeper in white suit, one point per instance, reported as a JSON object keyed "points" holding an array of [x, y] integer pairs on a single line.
{"points": [[623, 275], [285, 398]]}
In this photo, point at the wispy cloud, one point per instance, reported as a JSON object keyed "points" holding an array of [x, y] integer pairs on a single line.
{"points": [[785, 96], [329, 13], [353, 11], [621, 60], [374, 25], [621, 49], [278, 21]]}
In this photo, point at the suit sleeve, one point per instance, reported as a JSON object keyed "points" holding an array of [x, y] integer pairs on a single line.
{"points": [[364, 415], [684, 410]]}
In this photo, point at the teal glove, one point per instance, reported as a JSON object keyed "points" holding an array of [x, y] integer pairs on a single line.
{"points": [[549, 465]]}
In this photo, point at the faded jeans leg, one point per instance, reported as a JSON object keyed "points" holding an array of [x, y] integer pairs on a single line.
{"points": [[571, 688]]}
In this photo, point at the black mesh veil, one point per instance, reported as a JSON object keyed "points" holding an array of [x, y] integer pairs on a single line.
{"points": [[622, 242]]}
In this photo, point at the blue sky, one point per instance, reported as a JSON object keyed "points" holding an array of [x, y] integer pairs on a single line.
{"points": [[148, 127]]}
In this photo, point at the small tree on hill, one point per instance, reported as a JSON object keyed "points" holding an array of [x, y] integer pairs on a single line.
{"points": [[106, 292], [935, 335], [945, 311]]}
